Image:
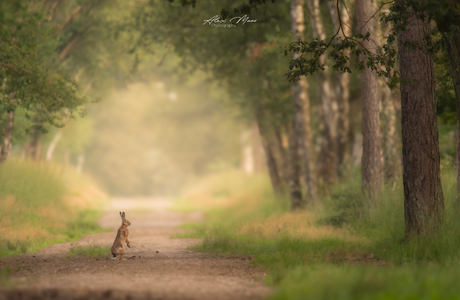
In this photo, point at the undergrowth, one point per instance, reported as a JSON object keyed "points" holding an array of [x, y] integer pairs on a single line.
{"points": [[342, 247], [40, 206]]}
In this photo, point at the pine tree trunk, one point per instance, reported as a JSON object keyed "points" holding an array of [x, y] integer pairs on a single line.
{"points": [[269, 157], [423, 197], [295, 191], [6, 147], [327, 160], [342, 89], [302, 104], [371, 163]]}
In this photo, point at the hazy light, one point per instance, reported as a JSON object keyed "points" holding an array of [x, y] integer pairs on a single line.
{"points": [[172, 96], [159, 85]]}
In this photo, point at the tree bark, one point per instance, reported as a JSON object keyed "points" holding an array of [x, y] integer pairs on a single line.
{"points": [[295, 191], [302, 104], [327, 162], [371, 163], [391, 141], [342, 89], [269, 157], [279, 153], [391, 157], [423, 197], [6, 147], [257, 147]]}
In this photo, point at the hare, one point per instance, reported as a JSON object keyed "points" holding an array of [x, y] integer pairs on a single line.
{"points": [[118, 248]]}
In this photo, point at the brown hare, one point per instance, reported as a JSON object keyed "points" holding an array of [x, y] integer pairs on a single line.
{"points": [[118, 248]]}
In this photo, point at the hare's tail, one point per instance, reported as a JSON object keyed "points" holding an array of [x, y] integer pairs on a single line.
{"points": [[114, 256]]}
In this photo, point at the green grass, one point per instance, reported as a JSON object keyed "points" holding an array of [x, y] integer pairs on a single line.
{"points": [[302, 264], [5, 272], [340, 282], [84, 223], [36, 208], [89, 251], [31, 184]]}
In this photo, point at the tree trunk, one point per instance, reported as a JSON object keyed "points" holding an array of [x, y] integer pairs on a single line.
{"points": [[53, 144], [392, 159], [371, 163], [391, 141], [342, 89], [6, 147], [34, 147], [327, 161], [423, 197], [269, 157], [279, 153], [295, 191], [259, 159], [303, 133], [302, 104], [80, 162]]}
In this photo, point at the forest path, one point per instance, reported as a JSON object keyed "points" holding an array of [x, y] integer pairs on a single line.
{"points": [[157, 267]]}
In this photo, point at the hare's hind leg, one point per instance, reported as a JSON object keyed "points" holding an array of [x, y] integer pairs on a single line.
{"points": [[121, 257]]}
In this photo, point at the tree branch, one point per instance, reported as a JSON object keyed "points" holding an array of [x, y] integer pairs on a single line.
{"points": [[376, 13], [69, 20]]}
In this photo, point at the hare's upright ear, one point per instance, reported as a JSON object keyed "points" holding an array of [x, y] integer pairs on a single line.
{"points": [[121, 215], [124, 215]]}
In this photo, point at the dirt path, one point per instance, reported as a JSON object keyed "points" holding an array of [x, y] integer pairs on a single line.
{"points": [[158, 267]]}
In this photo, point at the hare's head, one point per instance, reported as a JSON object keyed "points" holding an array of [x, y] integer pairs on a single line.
{"points": [[125, 221]]}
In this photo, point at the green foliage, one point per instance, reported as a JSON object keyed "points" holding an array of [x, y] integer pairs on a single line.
{"points": [[89, 251], [247, 59], [382, 60], [446, 104], [27, 81]]}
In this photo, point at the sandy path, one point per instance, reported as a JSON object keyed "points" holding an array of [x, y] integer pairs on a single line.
{"points": [[158, 267]]}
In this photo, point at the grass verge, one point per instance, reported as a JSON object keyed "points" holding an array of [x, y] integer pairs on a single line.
{"points": [[89, 251], [44, 204], [340, 248]]}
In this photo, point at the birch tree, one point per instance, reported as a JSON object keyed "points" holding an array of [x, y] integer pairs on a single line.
{"points": [[301, 121], [342, 89], [327, 161], [371, 164]]}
